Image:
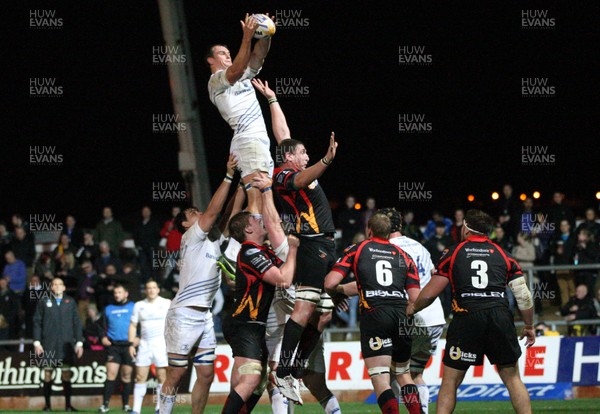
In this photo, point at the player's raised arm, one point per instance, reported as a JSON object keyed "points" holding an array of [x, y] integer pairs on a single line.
{"points": [[304, 178], [261, 49], [284, 275], [271, 218], [209, 217], [240, 63], [278, 121], [234, 206]]}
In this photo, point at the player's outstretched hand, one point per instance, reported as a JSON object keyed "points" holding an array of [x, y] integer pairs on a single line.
{"points": [[293, 241], [261, 180], [528, 333], [263, 88], [332, 147], [231, 164], [249, 25]]}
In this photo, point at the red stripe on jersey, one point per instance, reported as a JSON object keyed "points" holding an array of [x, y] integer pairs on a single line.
{"points": [[357, 254], [454, 253], [340, 271], [253, 272]]}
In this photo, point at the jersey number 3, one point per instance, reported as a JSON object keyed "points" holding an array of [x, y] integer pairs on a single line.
{"points": [[383, 272], [481, 280]]}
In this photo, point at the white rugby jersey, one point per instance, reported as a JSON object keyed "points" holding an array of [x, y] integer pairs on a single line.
{"points": [[433, 314], [238, 105], [199, 278], [152, 316]]}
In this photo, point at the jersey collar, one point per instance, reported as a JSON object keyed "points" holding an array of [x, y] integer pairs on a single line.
{"points": [[478, 238], [378, 240]]}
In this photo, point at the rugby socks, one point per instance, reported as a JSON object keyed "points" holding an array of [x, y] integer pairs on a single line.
{"points": [[388, 403], [47, 392], [291, 337], [127, 389], [308, 342], [331, 405], [67, 388], [166, 403], [157, 391], [424, 397], [410, 397], [139, 391], [279, 404], [252, 401], [109, 388], [233, 405]]}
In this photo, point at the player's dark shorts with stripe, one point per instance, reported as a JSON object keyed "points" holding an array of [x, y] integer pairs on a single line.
{"points": [[380, 334], [247, 339], [489, 332], [315, 258], [119, 353]]}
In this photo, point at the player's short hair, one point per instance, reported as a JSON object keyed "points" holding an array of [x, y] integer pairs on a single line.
{"points": [[237, 226], [121, 285], [479, 221], [380, 225], [210, 52], [286, 146], [180, 218], [151, 280], [395, 218]]}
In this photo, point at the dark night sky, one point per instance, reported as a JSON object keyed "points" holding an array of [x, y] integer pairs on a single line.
{"points": [[348, 58]]}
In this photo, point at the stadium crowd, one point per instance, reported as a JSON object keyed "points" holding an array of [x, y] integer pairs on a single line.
{"points": [[93, 261]]}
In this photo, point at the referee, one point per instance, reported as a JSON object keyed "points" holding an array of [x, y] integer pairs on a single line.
{"points": [[478, 271], [115, 321]]}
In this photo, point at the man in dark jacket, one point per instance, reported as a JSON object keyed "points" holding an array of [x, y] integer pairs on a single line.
{"points": [[147, 237], [579, 307], [9, 311], [57, 338]]}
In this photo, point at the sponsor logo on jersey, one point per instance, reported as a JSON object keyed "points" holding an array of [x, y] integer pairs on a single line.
{"points": [[385, 294], [250, 252], [377, 343], [482, 295]]}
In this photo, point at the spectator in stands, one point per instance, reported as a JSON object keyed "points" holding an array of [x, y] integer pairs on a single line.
{"points": [[559, 211], [106, 257], [5, 241], [591, 225], [34, 292], [502, 239], [586, 252], [173, 242], [105, 286], [366, 215], [524, 251], [410, 228], [75, 234], [9, 312], [63, 247], [92, 329], [430, 229], [579, 307], [564, 278], [110, 230], [14, 271], [456, 229], [23, 245], [349, 221], [542, 329], [44, 267], [509, 211], [89, 250], [440, 240], [146, 235], [87, 281], [17, 220], [131, 278]]}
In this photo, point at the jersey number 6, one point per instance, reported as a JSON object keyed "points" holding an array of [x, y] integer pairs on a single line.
{"points": [[383, 272]]}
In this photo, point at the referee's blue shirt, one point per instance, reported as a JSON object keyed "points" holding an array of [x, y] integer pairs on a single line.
{"points": [[117, 321]]}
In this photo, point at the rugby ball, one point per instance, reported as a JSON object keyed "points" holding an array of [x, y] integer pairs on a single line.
{"points": [[266, 26]]}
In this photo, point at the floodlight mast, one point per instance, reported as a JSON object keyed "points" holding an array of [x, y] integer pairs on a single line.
{"points": [[192, 157]]}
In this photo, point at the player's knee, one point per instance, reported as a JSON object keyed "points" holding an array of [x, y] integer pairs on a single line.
{"points": [[203, 358], [375, 371]]}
